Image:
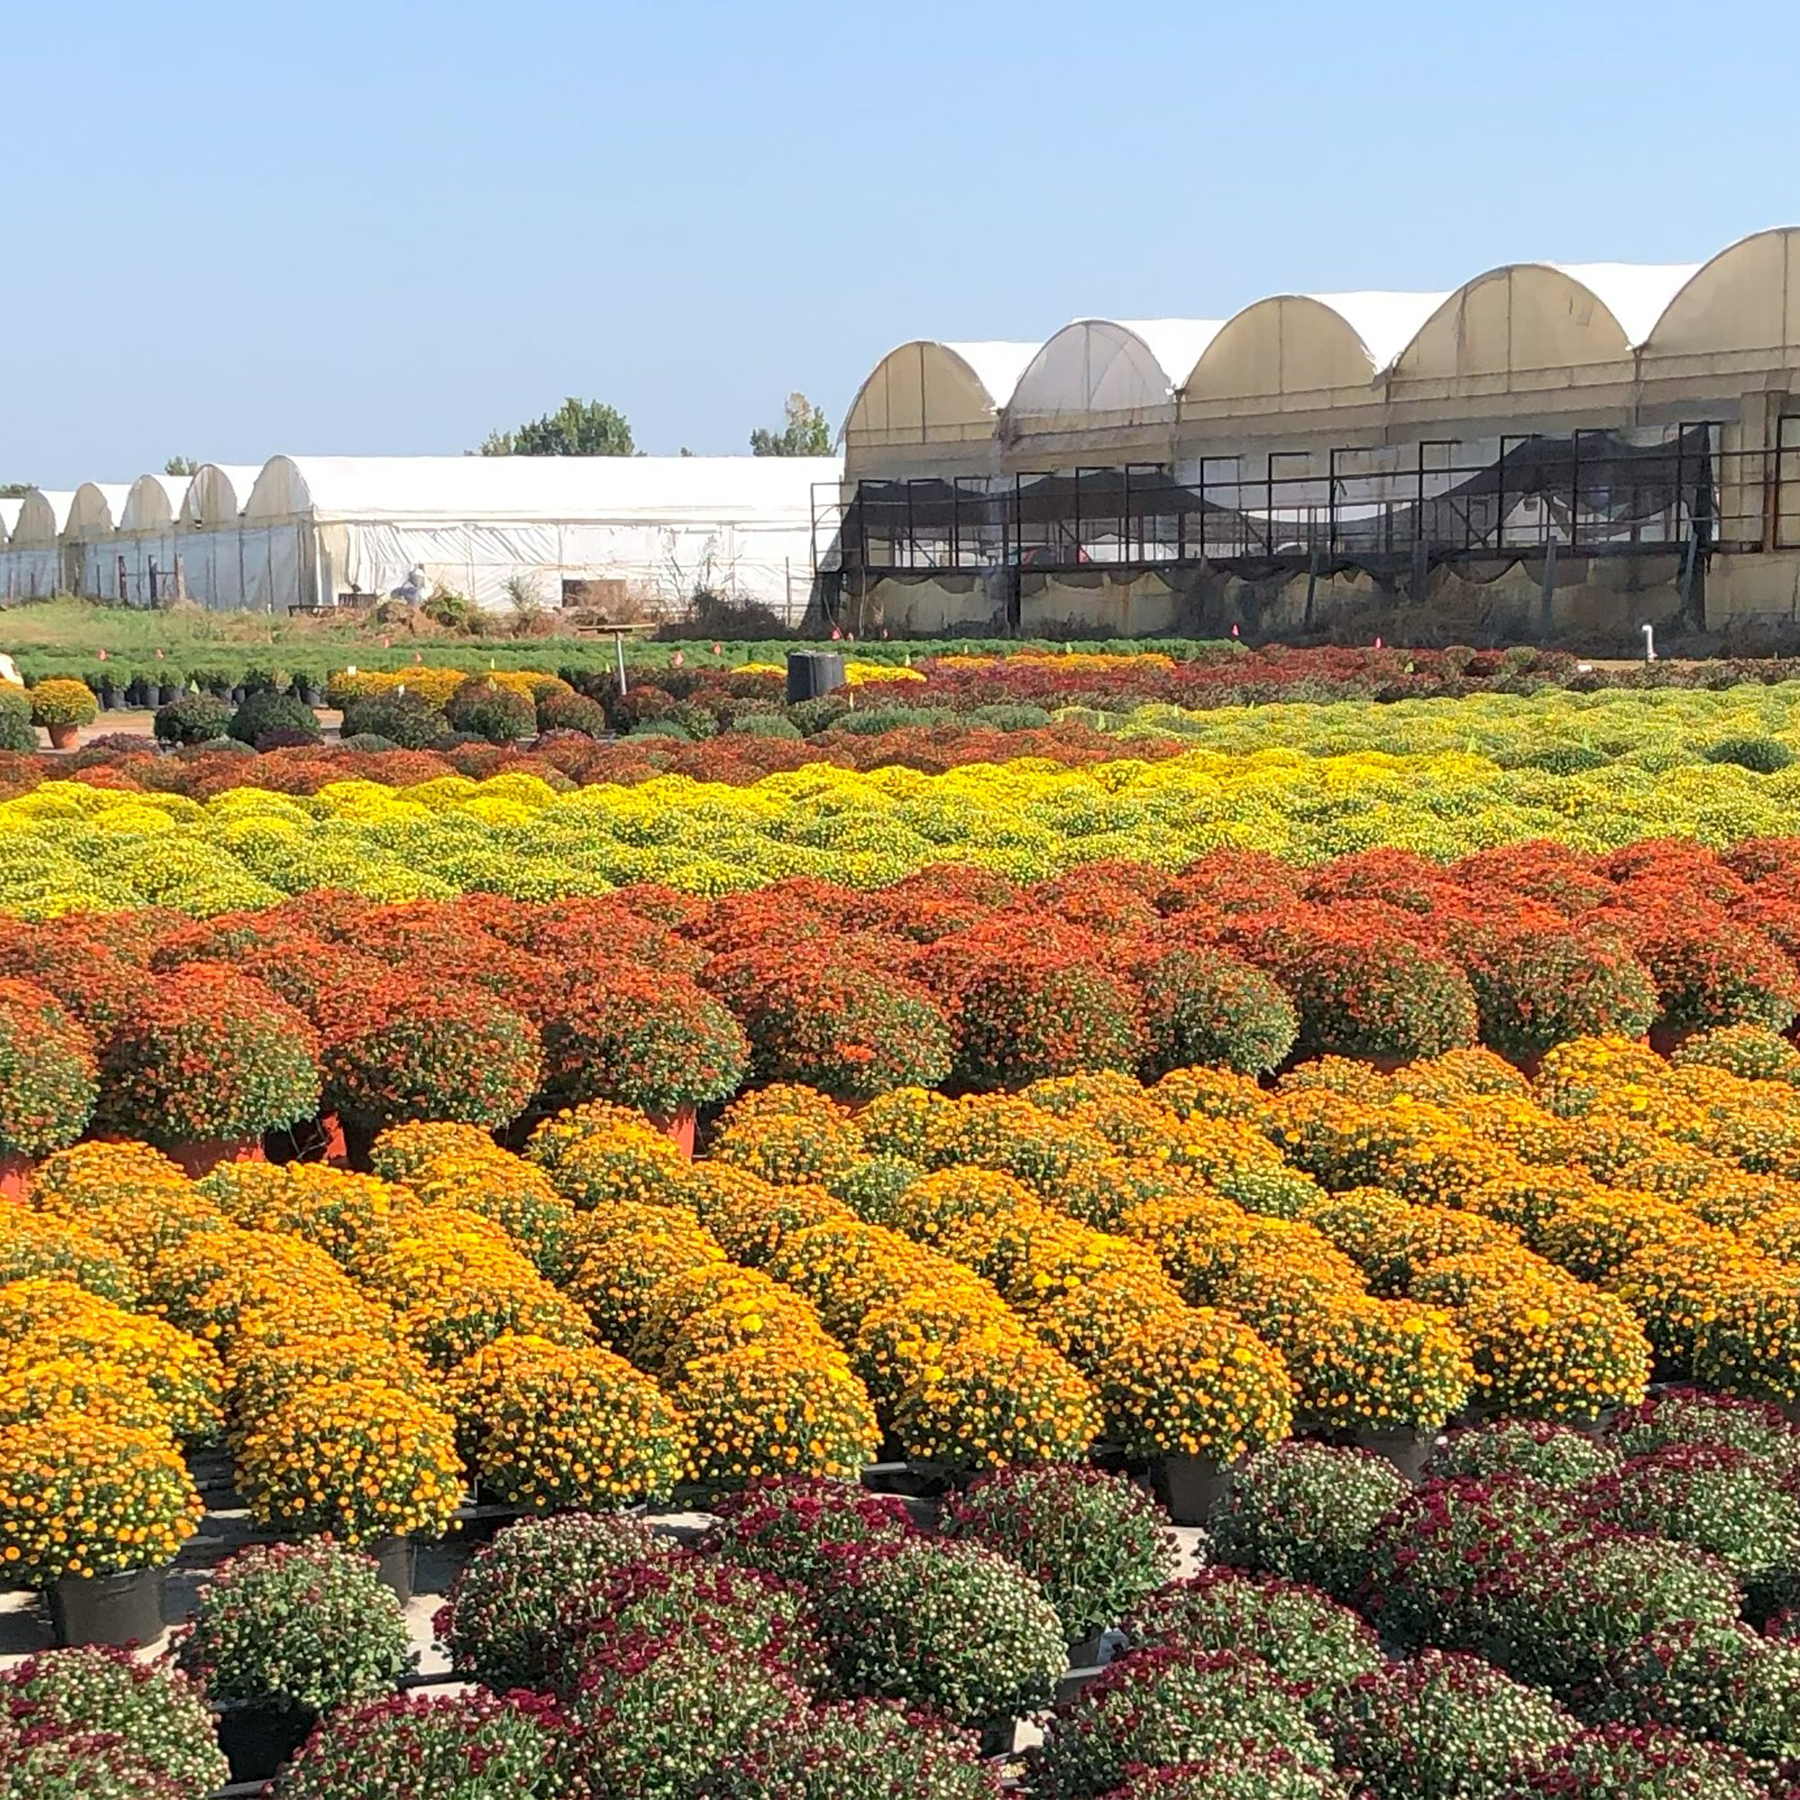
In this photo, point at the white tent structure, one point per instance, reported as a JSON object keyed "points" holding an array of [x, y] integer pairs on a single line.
{"points": [[31, 563], [315, 527], [212, 545], [151, 540], [88, 534]]}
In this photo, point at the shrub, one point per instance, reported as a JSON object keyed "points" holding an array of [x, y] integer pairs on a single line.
{"points": [[850, 1032], [95, 1766], [1025, 1015], [861, 1750], [1170, 1706], [775, 1409], [47, 1073], [1559, 1616], [642, 1039], [1555, 1456], [1760, 755], [472, 1746], [265, 719], [950, 1626], [699, 1601], [16, 730], [81, 1496], [1698, 1416], [355, 1459], [207, 1054], [791, 1528], [1377, 997], [1717, 1499], [307, 1626], [571, 712], [1196, 1383], [1310, 1641], [448, 1054], [1443, 1725], [1306, 1512], [1534, 989], [1247, 1772], [150, 1712], [1711, 973], [1644, 1764], [499, 1620], [491, 710], [60, 701], [408, 721], [1438, 1561], [193, 719], [553, 1427], [662, 1721], [1095, 1543], [1205, 1008]]}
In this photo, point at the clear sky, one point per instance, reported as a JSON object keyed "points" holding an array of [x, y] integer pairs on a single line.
{"points": [[364, 227]]}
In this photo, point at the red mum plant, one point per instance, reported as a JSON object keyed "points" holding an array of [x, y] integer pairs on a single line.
{"points": [[207, 1054], [418, 1052], [1205, 1007], [1710, 972], [47, 1073], [848, 1030], [641, 1038], [1536, 988], [1377, 997]]}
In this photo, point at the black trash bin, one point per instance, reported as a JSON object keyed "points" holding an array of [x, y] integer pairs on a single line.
{"points": [[812, 674]]}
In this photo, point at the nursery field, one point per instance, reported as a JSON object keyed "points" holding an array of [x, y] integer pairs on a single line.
{"points": [[1109, 1235]]}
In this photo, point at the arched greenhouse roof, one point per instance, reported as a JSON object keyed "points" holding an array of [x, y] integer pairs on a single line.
{"points": [[1747, 298], [95, 510], [217, 493], [154, 502], [1117, 369], [924, 392], [42, 515]]}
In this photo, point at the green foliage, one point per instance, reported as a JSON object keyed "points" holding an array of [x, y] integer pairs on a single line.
{"points": [[193, 719], [807, 432], [265, 716], [576, 428]]}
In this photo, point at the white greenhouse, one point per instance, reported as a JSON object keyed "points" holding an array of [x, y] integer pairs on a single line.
{"points": [[309, 532]]}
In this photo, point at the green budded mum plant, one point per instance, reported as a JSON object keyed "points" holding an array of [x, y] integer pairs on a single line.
{"points": [[1306, 1512], [307, 1626], [47, 1073], [1095, 1543], [153, 1713], [453, 1747], [1556, 1456], [1308, 1639], [1166, 1707], [791, 1528], [949, 1626], [499, 1622]]}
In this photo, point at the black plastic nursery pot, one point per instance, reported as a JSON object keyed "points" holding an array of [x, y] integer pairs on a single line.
{"points": [[1406, 1447], [1191, 1487], [258, 1736], [107, 1609], [998, 1736], [397, 1558]]}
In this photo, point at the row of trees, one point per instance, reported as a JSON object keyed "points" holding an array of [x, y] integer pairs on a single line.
{"points": [[592, 428]]}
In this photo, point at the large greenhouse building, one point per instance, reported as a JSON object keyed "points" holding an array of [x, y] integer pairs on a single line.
{"points": [[309, 532], [1596, 446]]}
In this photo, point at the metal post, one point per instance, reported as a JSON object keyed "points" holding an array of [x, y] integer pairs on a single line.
{"points": [[1312, 585], [619, 647], [1547, 603]]}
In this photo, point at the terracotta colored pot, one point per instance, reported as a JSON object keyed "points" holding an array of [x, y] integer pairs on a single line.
{"points": [[204, 1155], [15, 1177], [677, 1126], [337, 1147], [62, 737]]}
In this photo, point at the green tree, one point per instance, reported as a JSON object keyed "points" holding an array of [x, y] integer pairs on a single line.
{"points": [[807, 433], [14, 490], [181, 465], [576, 428]]}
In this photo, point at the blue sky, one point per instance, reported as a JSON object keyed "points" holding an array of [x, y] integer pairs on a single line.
{"points": [[379, 228]]}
